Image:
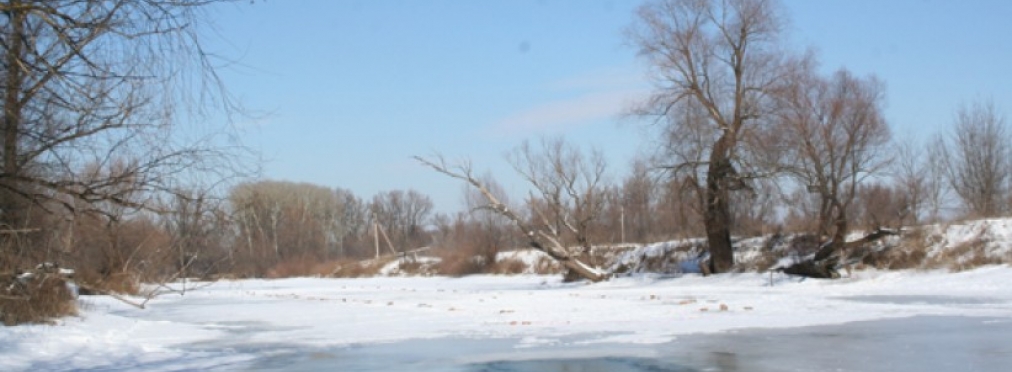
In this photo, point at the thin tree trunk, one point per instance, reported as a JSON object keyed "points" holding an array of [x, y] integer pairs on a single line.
{"points": [[12, 114]]}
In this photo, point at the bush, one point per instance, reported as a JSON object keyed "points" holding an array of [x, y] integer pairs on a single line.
{"points": [[461, 264], [38, 298], [311, 267], [508, 266], [92, 282], [291, 268]]}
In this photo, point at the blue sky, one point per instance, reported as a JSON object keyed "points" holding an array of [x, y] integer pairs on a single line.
{"points": [[353, 89]]}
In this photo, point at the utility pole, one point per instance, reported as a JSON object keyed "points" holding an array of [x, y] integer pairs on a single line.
{"points": [[621, 222], [375, 235]]}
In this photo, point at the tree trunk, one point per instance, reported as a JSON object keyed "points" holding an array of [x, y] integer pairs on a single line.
{"points": [[718, 209], [9, 200], [838, 242]]}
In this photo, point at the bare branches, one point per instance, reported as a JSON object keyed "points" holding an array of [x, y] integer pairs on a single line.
{"points": [[537, 238], [569, 186], [715, 66], [977, 159], [836, 137], [93, 92]]}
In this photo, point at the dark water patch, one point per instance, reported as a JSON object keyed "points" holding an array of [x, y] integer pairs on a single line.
{"points": [[605, 364], [926, 343], [923, 343]]}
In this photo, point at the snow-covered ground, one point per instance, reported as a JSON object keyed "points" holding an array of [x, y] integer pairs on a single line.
{"points": [[238, 324]]}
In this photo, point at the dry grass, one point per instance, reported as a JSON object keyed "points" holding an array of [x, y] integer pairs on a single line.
{"points": [[37, 300], [355, 269], [909, 253], [458, 265], [507, 266], [919, 249], [311, 267], [97, 283], [958, 257], [291, 268], [547, 266]]}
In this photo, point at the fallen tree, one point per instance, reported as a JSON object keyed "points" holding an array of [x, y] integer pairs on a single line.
{"points": [[826, 262], [540, 239]]}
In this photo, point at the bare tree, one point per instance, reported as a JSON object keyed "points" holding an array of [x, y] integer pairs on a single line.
{"points": [[296, 222], [723, 58], [919, 180], [836, 137], [403, 216], [978, 160], [202, 234], [538, 238], [92, 92], [569, 187], [638, 198]]}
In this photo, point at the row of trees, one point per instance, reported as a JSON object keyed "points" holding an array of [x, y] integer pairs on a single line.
{"points": [[257, 226], [97, 168], [741, 111]]}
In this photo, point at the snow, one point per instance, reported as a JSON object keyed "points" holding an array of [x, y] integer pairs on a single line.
{"points": [[230, 323], [393, 268], [531, 258]]}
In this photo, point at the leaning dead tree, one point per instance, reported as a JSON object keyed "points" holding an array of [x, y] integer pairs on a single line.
{"points": [[567, 195], [540, 239]]}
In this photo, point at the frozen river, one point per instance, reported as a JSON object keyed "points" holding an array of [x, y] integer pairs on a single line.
{"points": [[874, 321], [923, 343]]}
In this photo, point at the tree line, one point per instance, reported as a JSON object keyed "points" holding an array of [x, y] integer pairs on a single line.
{"points": [[99, 172]]}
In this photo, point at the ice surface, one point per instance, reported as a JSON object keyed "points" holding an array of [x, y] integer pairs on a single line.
{"points": [[282, 323]]}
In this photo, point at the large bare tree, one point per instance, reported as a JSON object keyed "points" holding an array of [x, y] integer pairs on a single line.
{"points": [[721, 58], [92, 92]]}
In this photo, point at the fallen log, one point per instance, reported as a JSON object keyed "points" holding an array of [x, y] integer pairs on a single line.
{"points": [[825, 264]]}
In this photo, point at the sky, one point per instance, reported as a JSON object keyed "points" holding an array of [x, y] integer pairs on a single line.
{"points": [[346, 92]]}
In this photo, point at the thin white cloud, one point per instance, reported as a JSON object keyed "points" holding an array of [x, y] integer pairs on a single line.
{"points": [[611, 78], [591, 97], [561, 115]]}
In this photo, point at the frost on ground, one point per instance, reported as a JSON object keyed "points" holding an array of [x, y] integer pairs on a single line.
{"points": [[232, 323]]}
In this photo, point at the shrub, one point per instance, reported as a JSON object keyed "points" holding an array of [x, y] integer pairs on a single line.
{"points": [[508, 266], [459, 264], [93, 282], [39, 298], [291, 268], [311, 267]]}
